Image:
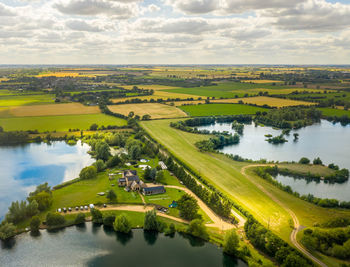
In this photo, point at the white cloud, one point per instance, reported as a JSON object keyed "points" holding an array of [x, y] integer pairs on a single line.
{"points": [[6, 11]]}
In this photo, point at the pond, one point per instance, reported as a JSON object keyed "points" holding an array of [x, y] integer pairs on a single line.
{"points": [[26, 166], [330, 142], [91, 245]]}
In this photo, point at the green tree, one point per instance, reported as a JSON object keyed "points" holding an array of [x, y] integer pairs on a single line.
{"points": [[54, 219], [100, 165], [231, 243], [89, 172], [317, 161], [151, 222], [122, 224], [170, 230], [198, 229], [96, 215], [159, 176], [43, 199], [146, 117], [294, 260], [113, 161], [7, 230], [188, 207], [93, 127], [147, 173], [80, 218], [35, 224], [111, 195], [108, 219], [102, 151], [304, 161]]}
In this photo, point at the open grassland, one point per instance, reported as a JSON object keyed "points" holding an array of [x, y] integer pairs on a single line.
{"points": [[157, 95], [154, 87], [20, 100], [306, 168], [220, 109], [264, 100], [226, 175], [335, 112], [155, 110], [58, 123], [54, 110]]}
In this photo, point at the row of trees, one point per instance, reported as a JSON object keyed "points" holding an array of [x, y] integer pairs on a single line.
{"points": [[217, 142]]}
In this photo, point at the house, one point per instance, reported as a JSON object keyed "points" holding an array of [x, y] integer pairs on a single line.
{"points": [[137, 186], [131, 179], [129, 173], [122, 182], [154, 190], [162, 165]]}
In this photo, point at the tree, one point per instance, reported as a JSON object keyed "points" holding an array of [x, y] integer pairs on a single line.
{"points": [[100, 165], [231, 243], [153, 174], [80, 218], [43, 199], [32, 208], [188, 207], [111, 195], [108, 219], [41, 188], [317, 161], [147, 173], [89, 172], [146, 117], [135, 152], [198, 229], [304, 160], [171, 230], [35, 224], [93, 127], [159, 176], [151, 222], [7, 230], [17, 212], [113, 161], [131, 114], [96, 215], [54, 219], [122, 224], [102, 151], [294, 260]]}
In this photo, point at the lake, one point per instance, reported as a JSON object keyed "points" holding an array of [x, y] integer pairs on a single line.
{"points": [[26, 166], [330, 142], [92, 245]]}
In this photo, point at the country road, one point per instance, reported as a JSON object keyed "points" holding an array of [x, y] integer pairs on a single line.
{"points": [[293, 235]]}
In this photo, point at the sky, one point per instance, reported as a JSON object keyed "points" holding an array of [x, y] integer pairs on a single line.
{"points": [[174, 32]]}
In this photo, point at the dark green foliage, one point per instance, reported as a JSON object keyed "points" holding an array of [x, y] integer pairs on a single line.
{"points": [[89, 172], [54, 219], [100, 165], [238, 127], [231, 243], [217, 142], [151, 222], [113, 161], [304, 160], [336, 222], [279, 139], [7, 230], [188, 207], [108, 219], [111, 195], [317, 161], [102, 151], [170, 231], [44, 200], [198, 229], [41, 188], [96, 215], [80, 218], [16, 137], [122, 224], [35, 224]]}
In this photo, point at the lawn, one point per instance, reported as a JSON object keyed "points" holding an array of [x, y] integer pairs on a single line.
{"points": [[220, 109], [20, 100], [58, 123], [226, 175], [155, 110], [54, 110], [334, 112]]}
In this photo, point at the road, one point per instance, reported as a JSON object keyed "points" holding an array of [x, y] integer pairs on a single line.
{"points": [[293, 235]]}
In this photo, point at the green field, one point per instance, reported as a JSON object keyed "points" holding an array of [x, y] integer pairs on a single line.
{"points": [[220, 109], [20, 100], [226, 175], [58, 123], [334, 112]]}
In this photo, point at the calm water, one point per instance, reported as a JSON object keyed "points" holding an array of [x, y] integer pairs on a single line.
{"points": [[98, 246], [330, 142], [22, 168]]}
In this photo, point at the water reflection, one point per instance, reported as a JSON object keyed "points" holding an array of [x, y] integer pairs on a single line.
{"points": [[150, 237]]}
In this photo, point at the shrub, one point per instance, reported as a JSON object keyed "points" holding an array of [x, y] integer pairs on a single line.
{"points": [[304, 161], [88, 172], [80, 218], [111, 195], [100, 165], [54, 219], [108, 219], [7, 230], [35, 224], [96, 215], [151, 222], [198, 229], [231, 243], [122, 224]]}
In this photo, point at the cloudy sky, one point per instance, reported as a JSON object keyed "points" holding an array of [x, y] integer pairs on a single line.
{"points": [[174, 31]]}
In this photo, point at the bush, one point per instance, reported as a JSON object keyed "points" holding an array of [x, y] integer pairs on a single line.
{"points": [[198, 229], [113, 161], [35, 224], [317, 161], [88, 172], [7, 230], [231, 243], [55, 219], [100, 165], [122, 224], [151, 222], [108, 219], [80, 218], [304, 161], [111, 195], [96, 215], [170, 230]]}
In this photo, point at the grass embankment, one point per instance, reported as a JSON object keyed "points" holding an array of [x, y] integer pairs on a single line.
{"points": [[220, 109], [334, 112], [155, 110], [226, 175], [20, 100], [59, 123], [307, 168]]}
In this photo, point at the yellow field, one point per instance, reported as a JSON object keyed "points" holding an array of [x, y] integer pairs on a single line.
{"points": [[155, 110], [64, 74], [260, 81], [264, 100], [53, 110], [157, 95]]}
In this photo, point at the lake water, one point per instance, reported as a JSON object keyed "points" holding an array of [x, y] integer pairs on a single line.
{"points": [[92, 245], [26, 166], [330, 142]]}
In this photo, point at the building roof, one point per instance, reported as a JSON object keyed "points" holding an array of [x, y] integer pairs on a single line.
{"points": [[154, 189], [121, 180], [133, 178], [129, 172]]}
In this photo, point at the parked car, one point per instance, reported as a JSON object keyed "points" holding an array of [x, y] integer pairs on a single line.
{"points": [[69, 209], [86, 207], [59, 210], [104, 205], [91, 206], [76, 208], [81, 208], [64, 210]]}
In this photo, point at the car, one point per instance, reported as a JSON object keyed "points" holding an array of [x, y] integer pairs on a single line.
{"points": [[91, 206], [76, 208], [81, 208], [59, 210], [104, 205], [69, 209], [86, 207], [64, 210]]}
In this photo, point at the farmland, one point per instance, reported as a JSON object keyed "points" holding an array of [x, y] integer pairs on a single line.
{"points": [[58, 123], [20, 100], [220, 109], [335, 112], [155, 110]]}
